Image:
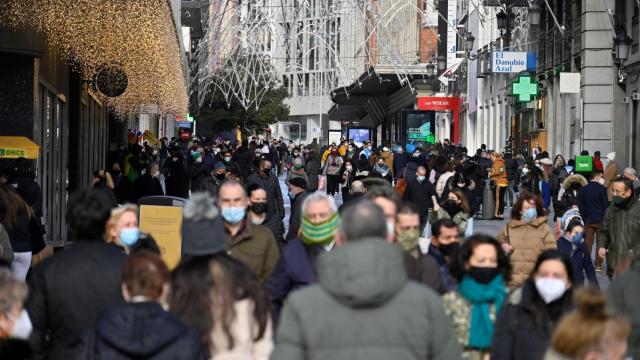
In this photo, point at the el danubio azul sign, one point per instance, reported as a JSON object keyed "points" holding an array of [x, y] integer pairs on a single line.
{"points": [[508, 61]]}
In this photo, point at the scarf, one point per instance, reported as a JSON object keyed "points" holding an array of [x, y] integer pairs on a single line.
{"points": [[319, 234], [481, 296]]}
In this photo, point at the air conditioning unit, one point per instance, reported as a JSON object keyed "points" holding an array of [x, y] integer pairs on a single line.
{"points": [[625, 100], [635, 96]]}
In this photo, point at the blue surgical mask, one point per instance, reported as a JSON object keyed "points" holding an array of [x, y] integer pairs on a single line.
{"points": [[421, 178], [291, 196], [129, 236], [233, 215], [577, 238], [529, 215], [227, 158]]}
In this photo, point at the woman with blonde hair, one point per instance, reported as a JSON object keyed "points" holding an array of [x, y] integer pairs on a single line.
{"points": [[122, 230]]}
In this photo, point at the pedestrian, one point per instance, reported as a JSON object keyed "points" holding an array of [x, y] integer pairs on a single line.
{"points": [[122, 230], [618, 236], [443, 179], [145, 288], [176, 178], [312, 168], [389, 201], [610, 173], [383, 170], [16, 217], [258, 213], [270, 183], [558, 175], [527, 320], [400, 160], [589, 332], [332, 167], [420, 266], [622, 297], [593, 203], [297, 171], [482, 269], [216, 294], [254, 245], [572, 244], [68, 291], [297, 194], [455, 208], [525, 236], [149, 183], [214, 180], [102, 180], [420, 193], [500, 181], [363, 166], [15, 325], [296, 265], [337, 319], [443, 247], [511, 165], [569, 194], [23, 179], [630, 173], [347, 175]]}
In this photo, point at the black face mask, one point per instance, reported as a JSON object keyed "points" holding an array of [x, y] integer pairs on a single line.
{"points": [[259, 208], [221, 176], [451, 207], [266, 171], [449, 249], [483, 275]]}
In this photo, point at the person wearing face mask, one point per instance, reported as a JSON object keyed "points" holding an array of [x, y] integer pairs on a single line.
{"points": [[443, 248], [621, 225], [145, 288], [572, 244], [420, 266], [122, 230], [530, 314], [15, 324], [197, 171], [482, 270], [455, 208], [176, 177], [419, 192], [525, 236], [149, 184], [347, 174], [213, 181], [297, 193], [312, 168], [297, 171], [332, 167], [382, 170], [593, 203], [252, 244]]}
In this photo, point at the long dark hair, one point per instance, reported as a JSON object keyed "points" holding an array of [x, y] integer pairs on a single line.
{"points": [[466, 250], [12, 206], [207, 284]]}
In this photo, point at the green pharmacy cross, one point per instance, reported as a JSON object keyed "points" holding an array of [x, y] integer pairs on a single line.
{"points": [[525, 89]]}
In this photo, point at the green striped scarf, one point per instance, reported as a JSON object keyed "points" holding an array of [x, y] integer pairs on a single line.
{"points": [[319, 234]]}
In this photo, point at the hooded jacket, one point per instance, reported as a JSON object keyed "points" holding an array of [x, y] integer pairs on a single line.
{"points": [[364, 308], [144, 331], [528, 241]]}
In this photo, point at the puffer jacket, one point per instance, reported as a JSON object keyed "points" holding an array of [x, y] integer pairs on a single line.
{"points": [[528, 241], [498, 172], [619, 233], [364, 308]]}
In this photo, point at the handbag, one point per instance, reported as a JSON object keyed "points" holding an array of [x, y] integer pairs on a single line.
{"points": [[401, 183]]}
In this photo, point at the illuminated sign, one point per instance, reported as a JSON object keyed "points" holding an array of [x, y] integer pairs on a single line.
{"points": [[525, 89]]}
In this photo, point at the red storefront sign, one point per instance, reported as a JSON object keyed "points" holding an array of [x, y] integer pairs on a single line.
{"points": [[185, 135], [436, 103]]}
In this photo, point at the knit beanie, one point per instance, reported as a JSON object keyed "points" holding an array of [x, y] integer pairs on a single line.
{"points": [[202, 229], [319, 234]]}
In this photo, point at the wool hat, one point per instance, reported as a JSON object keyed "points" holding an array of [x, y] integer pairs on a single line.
{"points": [[219, 165], [202, 229], [298, 182], [611, 156]]}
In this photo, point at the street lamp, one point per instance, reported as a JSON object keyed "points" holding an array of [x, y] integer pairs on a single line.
{"points": [[503, 20], [535, 13], [430, 69], [469, 42], [442, 63], [621, 46]]}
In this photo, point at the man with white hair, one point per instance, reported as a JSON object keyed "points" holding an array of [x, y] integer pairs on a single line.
{"points": [[296, 266], [630, 173]]}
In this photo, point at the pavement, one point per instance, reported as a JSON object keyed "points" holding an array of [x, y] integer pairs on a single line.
{"points": [[487, 227]]}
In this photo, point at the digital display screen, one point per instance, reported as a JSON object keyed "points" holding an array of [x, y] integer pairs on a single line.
{"points": [[420, 127], [359, 136]]}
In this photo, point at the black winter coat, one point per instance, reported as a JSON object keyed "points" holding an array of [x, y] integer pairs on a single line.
{"points": [[67, 294], [296, 215], [102, 185], [142, 331], [147, 185], [29, 190], [419, 194], [522, 329], [312, 168], [244, 159], [20, 234], [198, 174], [271, 184], [176, 179]]}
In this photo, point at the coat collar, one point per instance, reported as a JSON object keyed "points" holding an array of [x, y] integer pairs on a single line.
{"points": [[535, 223]]}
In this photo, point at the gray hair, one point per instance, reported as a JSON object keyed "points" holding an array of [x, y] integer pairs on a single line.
{"points": [[362, 220], [318, 197], [201, 206], [357, 186], [631, 171]]}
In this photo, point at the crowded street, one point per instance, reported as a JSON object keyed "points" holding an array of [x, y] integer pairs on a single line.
{"points": [[319, 180]]}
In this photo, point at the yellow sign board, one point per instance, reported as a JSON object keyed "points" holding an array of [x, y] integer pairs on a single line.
{"points": [[13, 147], [164, 223], [8, 153]]}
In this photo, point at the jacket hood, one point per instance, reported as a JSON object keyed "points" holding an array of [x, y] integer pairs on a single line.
{"points": [[575, 178], [368, 272], [540, 220], [139, 329]]}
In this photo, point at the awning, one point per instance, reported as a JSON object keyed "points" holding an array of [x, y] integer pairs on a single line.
{"points": [[13, 147]]}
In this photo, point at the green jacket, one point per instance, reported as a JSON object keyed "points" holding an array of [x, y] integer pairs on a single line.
{"points": [[461, 219], [622, 297], [619, 233], [256, 247], [364, 307]]}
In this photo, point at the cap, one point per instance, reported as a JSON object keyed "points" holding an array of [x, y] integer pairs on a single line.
{"points": [[298, 182], [202, 229]]}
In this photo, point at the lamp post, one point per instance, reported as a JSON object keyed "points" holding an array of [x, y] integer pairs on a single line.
{"points": [[431, 69], [621, 46], [535, 13], [503, 21], [442, 63]]}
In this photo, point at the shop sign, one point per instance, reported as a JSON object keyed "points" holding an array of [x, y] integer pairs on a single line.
{"points": [[9, 153], [584, 164], [508, 61], [185, 135], [184, 124], [525, 89]]}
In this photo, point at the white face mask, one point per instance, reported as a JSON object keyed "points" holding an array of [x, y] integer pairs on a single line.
{"points": [[601, 181], [525, 171], [550, 289], [22, 328]]}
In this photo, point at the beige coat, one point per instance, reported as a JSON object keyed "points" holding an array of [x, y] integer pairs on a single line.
{"points": [[528, 241], [610, 173]]}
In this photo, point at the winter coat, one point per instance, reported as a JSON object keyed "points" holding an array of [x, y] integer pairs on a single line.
{"points": [[256, 247], [498, 172], [198, 173], [419, 194], [364, 307], [176, 179], [558, 176], [142, 330], [400, 160], [243, 158], [512, 169], [622, 296], [6, 251], [442, 183], [409, 172], [581, 259], [293, 173], [102, 185], [332, 165], [295, 219], [295, 269], [312, 167], [11, 348], [27, 187], [610, 173], [275, 224], [592, 201], [146, 185], [209, 185], [68, 292], [461, 219], [271, 185], [424, 269], [528, 241], [20, 234], [522, 330], [619, 232]]}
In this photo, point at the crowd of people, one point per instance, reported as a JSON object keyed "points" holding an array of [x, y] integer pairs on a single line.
{"points": [[378, 258]]}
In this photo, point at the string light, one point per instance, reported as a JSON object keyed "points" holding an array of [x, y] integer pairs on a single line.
{"points": [[138, 35]]}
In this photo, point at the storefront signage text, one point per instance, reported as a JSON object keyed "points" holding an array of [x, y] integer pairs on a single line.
{"points": [[509, 61]]}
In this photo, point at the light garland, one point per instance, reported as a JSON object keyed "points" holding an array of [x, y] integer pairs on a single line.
{"points": [[137, 34]]}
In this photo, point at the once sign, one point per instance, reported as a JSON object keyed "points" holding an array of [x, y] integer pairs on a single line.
{"points": [[508, 61], [12, 153]]}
